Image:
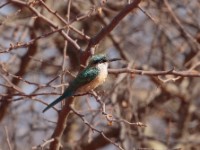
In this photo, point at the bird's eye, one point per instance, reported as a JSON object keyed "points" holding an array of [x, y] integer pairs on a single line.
{"points": [[96, 62], [99, 61], [104, 60]]}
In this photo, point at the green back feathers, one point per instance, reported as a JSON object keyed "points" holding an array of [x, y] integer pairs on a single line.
{"points": [[84, 77]]}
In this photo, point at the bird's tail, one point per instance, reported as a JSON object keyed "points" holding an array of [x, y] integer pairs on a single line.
{"points": [[58, 100]]}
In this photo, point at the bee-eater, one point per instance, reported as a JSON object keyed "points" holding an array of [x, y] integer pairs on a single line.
{"points": [[88, 79]]}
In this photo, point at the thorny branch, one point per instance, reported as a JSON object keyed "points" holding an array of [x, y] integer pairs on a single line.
{"points": [[51, 23], [95, 129], [188, 73]]}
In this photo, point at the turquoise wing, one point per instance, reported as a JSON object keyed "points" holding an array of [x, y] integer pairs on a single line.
{"points": [[84, 77]]}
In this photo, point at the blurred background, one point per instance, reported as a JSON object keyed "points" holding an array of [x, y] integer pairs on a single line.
{"points": [[37, 63]]}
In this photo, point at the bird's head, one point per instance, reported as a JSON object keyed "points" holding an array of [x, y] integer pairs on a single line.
{"points": [[100, 59]]}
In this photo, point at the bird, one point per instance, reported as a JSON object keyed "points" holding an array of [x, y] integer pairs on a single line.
{"points": [[88, 79]]}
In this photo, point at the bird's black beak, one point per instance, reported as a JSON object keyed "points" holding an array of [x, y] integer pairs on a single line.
{"points": [[113, 59]]}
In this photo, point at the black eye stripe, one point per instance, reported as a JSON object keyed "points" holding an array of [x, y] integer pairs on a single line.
{"points": [[99, 60]]}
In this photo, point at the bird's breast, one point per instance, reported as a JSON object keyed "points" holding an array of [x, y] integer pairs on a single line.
{"points": [[100, 78]]}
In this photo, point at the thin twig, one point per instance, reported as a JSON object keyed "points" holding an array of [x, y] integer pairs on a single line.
{"points": [[7, 138], [43, 144], [186, 73]]}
